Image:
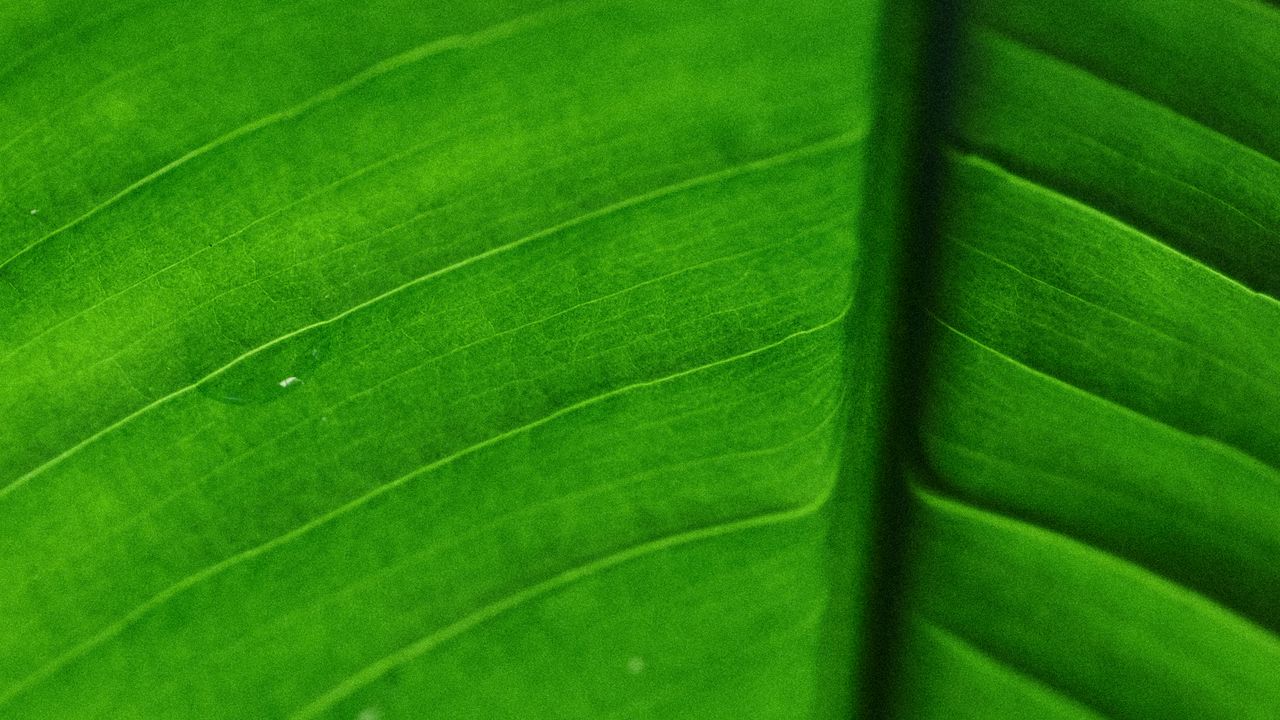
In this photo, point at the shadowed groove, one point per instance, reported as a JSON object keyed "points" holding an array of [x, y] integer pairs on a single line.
{"points": [[1222, 444], [134, 520]]}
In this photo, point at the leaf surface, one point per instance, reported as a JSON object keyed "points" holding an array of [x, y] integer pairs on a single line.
{"points": [[571, 360], [1098, 500], [486, 359]]}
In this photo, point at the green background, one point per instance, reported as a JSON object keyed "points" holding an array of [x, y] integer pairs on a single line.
{"points": [[639, 359]]}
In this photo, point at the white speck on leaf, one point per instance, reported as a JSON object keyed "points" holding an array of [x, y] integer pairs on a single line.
{"points": [[34, 211], [635, 665], [289, 381], [369, 713]]}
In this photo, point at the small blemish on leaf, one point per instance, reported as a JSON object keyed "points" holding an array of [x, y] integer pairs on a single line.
{"points": [[34, 211], [635, 665], [291, 380], [369, 713]]}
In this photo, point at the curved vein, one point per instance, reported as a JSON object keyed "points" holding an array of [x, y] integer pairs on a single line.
{"points": [[409, 57], [164, 596], [1222, 445], [839, 141], [376, 670], [990, 165], [1221, 362]]}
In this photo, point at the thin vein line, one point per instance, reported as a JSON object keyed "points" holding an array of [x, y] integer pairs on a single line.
{"points": [[1044, 52], [1214, 357], [1141, 162], [376, 670], [149, 511], [354, 175], [1109, 149], [200, 576], [459, 540], [1226, 447], [992, 166], [812, 149], [143, 64], [946, 503], [414, 55]]}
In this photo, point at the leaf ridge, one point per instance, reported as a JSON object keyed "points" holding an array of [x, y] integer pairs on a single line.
{"points": [[1151, 579], [993, 166], [374, 671], [201, 576], [453, 42], [816, 148], [1222, 444]]}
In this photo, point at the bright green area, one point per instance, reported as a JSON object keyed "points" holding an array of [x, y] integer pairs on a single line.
{"points": [[519, 360], [561, 291]]}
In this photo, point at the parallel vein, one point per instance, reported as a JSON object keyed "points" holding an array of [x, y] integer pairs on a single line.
{"points": [[414, 55], [1227, 447], [201, 576], [1013, 177], [828, 144], [376, 670]]}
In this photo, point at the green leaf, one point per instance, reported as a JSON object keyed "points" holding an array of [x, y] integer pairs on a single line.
{"points": [[1098, 500], [374, 358], [702, 359]]}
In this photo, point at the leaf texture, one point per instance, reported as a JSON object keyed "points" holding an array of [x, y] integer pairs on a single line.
{"points": [[479, 357], [1098, 503], [499, 359]]}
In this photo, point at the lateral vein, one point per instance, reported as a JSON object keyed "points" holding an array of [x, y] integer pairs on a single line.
{"points": [[1226, 446], [211, 571], [413, 55], [828, 144], [372, 672]]}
